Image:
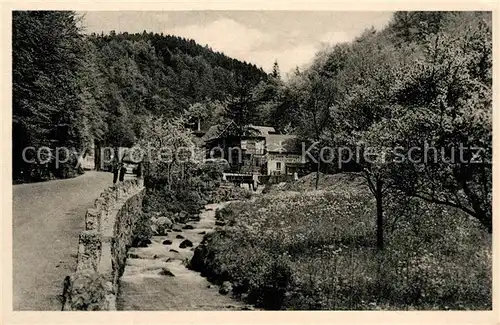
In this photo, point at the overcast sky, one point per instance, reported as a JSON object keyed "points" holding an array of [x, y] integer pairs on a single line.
{"points": [[260, 37]]}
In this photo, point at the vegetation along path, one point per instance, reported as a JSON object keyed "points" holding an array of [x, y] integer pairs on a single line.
{"points": [[156, 277]]}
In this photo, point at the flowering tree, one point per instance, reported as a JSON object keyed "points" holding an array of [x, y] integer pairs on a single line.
{"points": [[167, 146], [367, 73], [447, 98]]}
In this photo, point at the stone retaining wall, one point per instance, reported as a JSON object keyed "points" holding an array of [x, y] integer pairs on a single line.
{"points": [[102, 248]]}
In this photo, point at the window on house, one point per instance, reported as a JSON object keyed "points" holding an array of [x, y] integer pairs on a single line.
{"points": [[278, 165]]}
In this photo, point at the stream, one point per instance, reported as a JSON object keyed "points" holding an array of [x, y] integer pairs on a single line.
{"points": [[156, 277]]}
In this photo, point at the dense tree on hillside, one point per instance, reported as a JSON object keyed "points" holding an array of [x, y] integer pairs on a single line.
{"points": [[415, 26], [315, 96], [276, 71], [47, 111], [92, 94], [363, 73], [164, 75]]}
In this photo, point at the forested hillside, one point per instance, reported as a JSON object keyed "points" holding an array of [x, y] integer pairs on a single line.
{"points": [[162, 75], [71, 89]]}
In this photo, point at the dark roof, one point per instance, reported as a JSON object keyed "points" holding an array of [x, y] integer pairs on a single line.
{"points": [[262, 130], [216, 131], [213, 132], [275, 143]]}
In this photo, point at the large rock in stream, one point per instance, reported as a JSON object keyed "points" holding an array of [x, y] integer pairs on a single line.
{"points": [[161, 225], [186, 243]]}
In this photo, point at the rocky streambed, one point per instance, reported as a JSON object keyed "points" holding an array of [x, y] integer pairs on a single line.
{"points": [[156, 277]]}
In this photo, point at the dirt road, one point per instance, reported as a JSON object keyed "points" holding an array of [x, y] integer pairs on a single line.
{"points": [[47, 218]]}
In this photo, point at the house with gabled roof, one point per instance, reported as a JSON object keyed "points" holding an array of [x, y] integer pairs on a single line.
{"points": [[254, 149]]}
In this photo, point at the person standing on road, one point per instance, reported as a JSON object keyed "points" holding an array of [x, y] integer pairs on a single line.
{"points": [[123, 169], [116, 170]]}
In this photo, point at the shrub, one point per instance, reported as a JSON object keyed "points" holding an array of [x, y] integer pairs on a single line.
{"points": [[183, 199], [141, 231], [165, 202], [233, 193]]}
